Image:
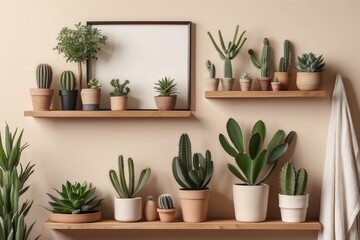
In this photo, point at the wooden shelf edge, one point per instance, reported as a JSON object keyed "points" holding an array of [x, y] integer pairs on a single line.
{"points": [[109, 114], [265, 94], [226, 224]]}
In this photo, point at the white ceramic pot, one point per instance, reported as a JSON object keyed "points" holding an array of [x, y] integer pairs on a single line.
{"points": [[227, 84], [245, 84], [128, 209], [194, 205], [212, 84], [250, 202], [293, 208], [308, 81]]}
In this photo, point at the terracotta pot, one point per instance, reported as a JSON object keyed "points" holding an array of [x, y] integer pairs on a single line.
{"points": [[227, 84], [75, 218], [118, 103], [245, 84], [293, 208], [41, 98], [275, 86], [250, 202], [194, 205], [68, 99], [90, 99], [212, 84], [264, 83], [284, 79], [165, 103], [128, 209], [167, 215], [308, 81]]}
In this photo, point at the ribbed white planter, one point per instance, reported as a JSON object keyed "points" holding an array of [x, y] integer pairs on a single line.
{"points": [[293, 208], [128, 209]]}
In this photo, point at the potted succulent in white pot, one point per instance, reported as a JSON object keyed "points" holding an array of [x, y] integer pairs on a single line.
{"points": [[193, 174], [254, 166], [42, 96], [167, 90], [283, 73], [245, 81], [293, 201], [91, 96], [212, 83], [228, 53], [76, 203], [128, 207], [309, 66], [119, 95], [166, 208], [68, 94]]}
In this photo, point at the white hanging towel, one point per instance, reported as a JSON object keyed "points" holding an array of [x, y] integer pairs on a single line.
{"points": [[340, 197]]}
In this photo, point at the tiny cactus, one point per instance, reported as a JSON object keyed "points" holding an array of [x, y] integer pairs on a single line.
{"points": [[67, 80], [292, 182], [211, 67], [263, 65], [284, 62], [94, 83], [245, 75], [120, 89], [43, 76], [165, 201], [276, 79]]}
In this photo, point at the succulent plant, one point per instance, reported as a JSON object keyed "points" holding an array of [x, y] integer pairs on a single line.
{"points": [[67, 80], [229, 51], [165, 201], [94, 83], [245, 75], [276, 79], [166, 87], [75, 199], [263, 65], [211, 67], [252, 162], [43, 76], [192, 173], [120, 89], [284, 63], [292, 182], [129, 190], [309, 62]]}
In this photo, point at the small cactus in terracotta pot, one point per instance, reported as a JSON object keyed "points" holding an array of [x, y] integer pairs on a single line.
{"points": [[166, 208], [42, 96]]}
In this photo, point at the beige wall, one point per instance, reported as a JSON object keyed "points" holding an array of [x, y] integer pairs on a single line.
{"points": [[85, 149]]}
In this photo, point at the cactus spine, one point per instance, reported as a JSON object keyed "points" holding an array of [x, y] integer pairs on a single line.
{"points": [[67, 80], [292, 182], [43, 76], [211, 68], [263, 65], [165, 201], [284, 62]]}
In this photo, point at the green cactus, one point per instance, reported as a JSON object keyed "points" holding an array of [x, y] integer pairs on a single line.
{"points": [[293, 183], [43, 76], [284, 62], [129, 190], [245, 75], [228, 53], [120, 89], [309, 62], [211, 67], [192, 173], [165, 201], [264, 64], [67, 80]]}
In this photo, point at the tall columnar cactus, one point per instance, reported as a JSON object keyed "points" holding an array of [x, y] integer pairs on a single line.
{"points": [[263, 65], [165, 201], [43, 76], [229, 52], [292, 182], [192, 173], [211, 68], [284, 62], [67, 80]]}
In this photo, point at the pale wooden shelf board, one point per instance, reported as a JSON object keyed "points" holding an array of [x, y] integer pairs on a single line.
{"points": [[265, 94], [209, 225], [108, 114]]}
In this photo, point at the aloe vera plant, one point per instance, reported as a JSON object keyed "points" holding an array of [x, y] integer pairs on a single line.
{"points": [[309, 62], [292, 182]]}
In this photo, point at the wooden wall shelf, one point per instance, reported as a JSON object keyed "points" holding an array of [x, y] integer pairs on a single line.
{"points": [[265, 94], [209, 225], [109, 114]]}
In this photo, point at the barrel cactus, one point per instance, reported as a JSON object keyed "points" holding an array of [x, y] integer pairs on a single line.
{"points": [[165, 201], [263, 65], [43, 76], [68, 80], [292, 182]]}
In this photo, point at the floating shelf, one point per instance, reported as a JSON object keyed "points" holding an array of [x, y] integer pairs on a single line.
{"points": [[209, 225], [265, 94], [108, 114]]}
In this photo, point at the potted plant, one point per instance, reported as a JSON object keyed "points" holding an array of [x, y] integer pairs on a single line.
{"points": [[193, 174], [276, 85], [90, 97], [309, 68], [79, 44], [245, 81], [42, 96], [166, 208], [227, 53], [263, 65], [254, 166], [293, 201], [13, 184], [167, 89], [118, 97], [76, 203], [128, 207], [283, 73], [68, 94], [212, 83]]}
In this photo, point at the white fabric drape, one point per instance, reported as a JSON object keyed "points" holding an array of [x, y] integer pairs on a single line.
{"points": [[340, 197]]}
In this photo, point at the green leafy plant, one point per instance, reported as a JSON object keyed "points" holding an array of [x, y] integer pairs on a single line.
{"points": [[165, 201], [211, 68], [13, 177], [94, 83], [75, 199], [120, 89], [245, 75], [43, 76], [79, 44], [67, 80], [309, 62], [192, 173], [129, 190], [264, 63], [292, 182], [252, 163], [284, 63], [166, 87]]}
